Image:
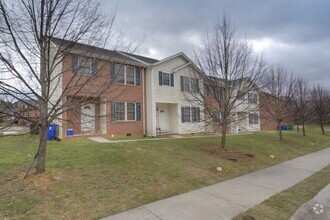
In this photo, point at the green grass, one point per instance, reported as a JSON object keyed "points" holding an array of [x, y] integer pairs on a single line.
{"points": [[87, 180], [284, 204]]}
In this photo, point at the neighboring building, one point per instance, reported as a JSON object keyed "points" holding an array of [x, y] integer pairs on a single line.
{"points": [[28, 111], [267, 112]]}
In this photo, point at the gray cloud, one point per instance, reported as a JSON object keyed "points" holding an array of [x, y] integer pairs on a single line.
{"points": [[298, 30]]}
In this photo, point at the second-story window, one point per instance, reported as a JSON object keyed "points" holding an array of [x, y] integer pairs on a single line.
{"points": [[84, 65], [252, 98], [194, 85], [166, 79], [189, 84], [123, 74], [240, 95]]}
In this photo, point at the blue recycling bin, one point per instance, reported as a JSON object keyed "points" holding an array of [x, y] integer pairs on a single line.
{"points": [[69, 132], [51, 132], [283, 127]]}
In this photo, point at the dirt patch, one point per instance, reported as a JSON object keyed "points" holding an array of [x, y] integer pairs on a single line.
{"points": [[43, 181], [226, 153]]}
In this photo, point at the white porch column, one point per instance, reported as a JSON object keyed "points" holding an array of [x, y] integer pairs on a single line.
{"points": [[103, 114]]}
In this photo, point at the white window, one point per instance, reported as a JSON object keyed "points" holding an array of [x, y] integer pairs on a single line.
{"points": [[220, 93], [25, 107], [252, 98], [85, 65], [194, 85], [125, 111], [186, 84], [217, 117], [130, 109], [166, 79], [120, 111], [190, 114], [125, 74], [253, 119], [130, 75], [240, 95]]}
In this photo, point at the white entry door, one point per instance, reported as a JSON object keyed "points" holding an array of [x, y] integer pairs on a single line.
{"points": [[88, 118], [162, 120]]}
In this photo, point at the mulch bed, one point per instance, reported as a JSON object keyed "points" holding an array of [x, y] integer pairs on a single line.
{"points": [[227, 153]]}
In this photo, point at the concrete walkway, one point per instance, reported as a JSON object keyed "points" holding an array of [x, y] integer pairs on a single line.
{"points": [[316, 209], [227, 199], [171, 137]]}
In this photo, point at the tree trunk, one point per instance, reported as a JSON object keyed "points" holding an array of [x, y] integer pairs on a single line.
{"points": [[322, 128], [41, 160], [297, 128], [43, 105], [303, 127], [280, 131], [223, 136]]}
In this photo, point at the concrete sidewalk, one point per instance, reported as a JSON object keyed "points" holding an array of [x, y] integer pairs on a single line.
{"points": [[316, 209], [227, 199]]}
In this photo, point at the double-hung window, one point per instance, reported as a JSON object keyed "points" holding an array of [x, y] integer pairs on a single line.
{"points": [[130, 111], [240, 95], [252, 98], [84, 65], [189, 84], [123, 74], [166, 79], [190, 114], [217, 117], [125, 111], [194, 85], [253, 119], [120, 111]]}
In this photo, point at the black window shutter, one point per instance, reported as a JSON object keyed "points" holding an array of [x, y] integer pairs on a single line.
{"points": [[182, 114], [137, 76], [160, 78], [94, 67], [181, 83], [113, 111], [172, 79], [74, 65], [112, 72], [138, 111], [198, 115]]}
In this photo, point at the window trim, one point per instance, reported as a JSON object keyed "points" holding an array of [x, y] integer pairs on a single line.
{"points": [[253, 119], [252, 98], [80, 65], [197, 114], [125, 74], [125, 112]]}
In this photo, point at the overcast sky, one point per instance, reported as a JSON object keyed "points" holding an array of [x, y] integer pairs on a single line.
{"points": [[294, 33]]}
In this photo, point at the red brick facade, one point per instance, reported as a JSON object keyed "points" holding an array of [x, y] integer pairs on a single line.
{"points": [[101, 91]]}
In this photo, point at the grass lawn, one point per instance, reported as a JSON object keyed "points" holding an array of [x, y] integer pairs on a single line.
{"points": [[87, 180], [284, 204]]}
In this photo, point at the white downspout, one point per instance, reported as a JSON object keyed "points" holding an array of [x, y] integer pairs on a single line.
{"points": [[143, 101]]}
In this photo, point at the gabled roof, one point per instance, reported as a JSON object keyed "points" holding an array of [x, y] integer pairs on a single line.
{"points": [[184, 56], [93, 51], [145, 60]]}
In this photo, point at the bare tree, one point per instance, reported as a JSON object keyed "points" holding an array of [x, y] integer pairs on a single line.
{"points": [[277, 97], [301, 100], [321, 104], [37, 37], [230, 73]]}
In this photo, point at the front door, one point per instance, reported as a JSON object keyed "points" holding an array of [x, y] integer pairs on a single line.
{"points": [[88, 118], [162, 120]]}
